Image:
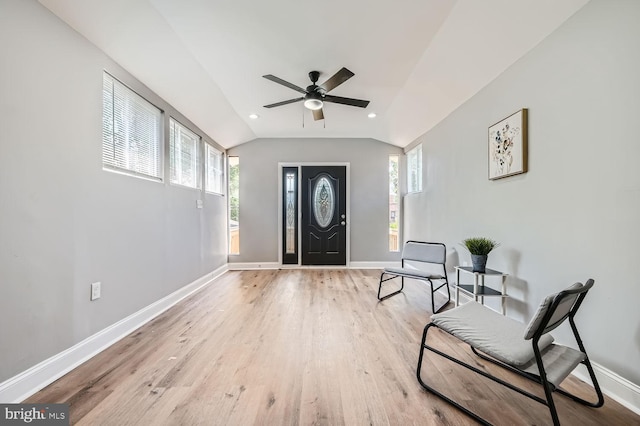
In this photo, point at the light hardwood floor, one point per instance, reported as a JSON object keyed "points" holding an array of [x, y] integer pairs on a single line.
{"points": [[296, 347]]}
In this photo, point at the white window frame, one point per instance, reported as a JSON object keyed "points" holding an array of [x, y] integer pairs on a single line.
{"points": [[176, 175], [126, 130], [414, 170], [216, 169]]}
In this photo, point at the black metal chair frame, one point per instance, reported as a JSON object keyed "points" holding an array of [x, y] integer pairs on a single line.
{"points": [[548, 387], [427, 279]]}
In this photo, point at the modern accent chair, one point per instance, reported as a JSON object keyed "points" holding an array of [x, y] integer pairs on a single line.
{"points": [[526, 350], [431, 254]]}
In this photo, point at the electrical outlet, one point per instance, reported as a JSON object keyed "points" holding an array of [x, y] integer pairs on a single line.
{"points": [[198, 204], [95, 291]]}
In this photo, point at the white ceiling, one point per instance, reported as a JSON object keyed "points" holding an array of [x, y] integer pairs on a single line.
{"points": [[415, 60]]}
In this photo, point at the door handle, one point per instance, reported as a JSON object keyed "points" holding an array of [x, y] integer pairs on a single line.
{"points": [[343, 223]]}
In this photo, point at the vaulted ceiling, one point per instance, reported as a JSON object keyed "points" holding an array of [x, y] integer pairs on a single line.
{"points": [[415, 60]]}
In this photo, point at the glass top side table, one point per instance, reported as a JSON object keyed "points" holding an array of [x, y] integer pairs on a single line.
{"points": [[478, 288]]}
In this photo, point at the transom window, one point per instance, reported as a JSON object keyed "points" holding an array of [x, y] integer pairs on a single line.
{"points": [[414, 169], [131, 131], [184, 155], [215, 171]]}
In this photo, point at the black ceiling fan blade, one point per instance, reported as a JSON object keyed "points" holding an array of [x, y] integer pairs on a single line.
{"points": [[346, 101], [318, 114], [290, 101], [284, 83], [337, 79]]}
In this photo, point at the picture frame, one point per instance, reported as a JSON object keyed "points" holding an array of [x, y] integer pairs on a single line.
{"points": [[508, 146]]}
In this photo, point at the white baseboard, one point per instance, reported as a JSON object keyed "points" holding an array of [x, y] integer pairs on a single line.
{"points": [[244, 266], [25, 384], [327, 267], [613, 385], [374, 265]]}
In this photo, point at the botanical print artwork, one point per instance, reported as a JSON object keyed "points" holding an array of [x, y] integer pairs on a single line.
{"points": [[502, 149], [507, 145]]}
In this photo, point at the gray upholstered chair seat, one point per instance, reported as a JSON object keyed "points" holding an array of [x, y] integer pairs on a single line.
{"points": [[413, 273], [559, 361], [488, 331]]}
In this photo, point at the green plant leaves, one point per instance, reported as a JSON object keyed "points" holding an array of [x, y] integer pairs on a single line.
{"points": [[479, 245]]}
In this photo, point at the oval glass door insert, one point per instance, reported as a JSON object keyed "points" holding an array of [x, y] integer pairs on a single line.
{"points": [[323, 202]]}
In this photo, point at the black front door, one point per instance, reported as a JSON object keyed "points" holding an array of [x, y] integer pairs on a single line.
{"points": [[324, 216]]}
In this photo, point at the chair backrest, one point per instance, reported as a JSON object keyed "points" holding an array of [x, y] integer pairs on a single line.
{"points": [[424, 252], [556, 308]]}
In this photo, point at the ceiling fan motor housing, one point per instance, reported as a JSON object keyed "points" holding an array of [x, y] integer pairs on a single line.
{"points": [[314, 75]]}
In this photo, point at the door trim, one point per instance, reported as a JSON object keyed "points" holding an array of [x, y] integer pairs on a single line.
{"points": [[347, 165]]}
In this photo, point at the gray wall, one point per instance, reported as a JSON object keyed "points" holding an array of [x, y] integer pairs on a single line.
{"points": [[369, 186], [64, 222], [575, 214]]}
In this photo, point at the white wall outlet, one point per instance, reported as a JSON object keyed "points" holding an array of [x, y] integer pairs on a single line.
{"points": [[95, 291], [198, 204]]}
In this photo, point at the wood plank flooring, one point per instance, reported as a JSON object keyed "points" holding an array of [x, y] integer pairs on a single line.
{"points": [[293, 347]]}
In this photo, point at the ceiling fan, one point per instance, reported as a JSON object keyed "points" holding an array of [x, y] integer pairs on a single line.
{"points": [[315, 96]]}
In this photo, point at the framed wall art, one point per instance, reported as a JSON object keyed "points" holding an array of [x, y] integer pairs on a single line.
{"points": [[508, 146]]}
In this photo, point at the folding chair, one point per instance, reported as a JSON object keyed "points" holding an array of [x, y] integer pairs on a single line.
{"points": [[433, 254], [505, 342]]}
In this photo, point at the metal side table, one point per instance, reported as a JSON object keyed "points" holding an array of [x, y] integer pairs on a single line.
{"points": [[478, 288]]}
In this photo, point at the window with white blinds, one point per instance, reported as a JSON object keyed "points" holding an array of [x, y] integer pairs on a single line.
{"points": [[414, 169], [184, 155], [131, 131], [215, 171]]}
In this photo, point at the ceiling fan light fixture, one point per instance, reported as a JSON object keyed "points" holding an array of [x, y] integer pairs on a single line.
{"points": [[313, 101], [313, 104]]}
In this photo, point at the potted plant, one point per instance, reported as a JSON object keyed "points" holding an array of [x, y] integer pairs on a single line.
{"points": [[479, 247]]}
